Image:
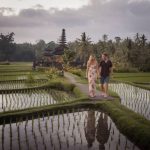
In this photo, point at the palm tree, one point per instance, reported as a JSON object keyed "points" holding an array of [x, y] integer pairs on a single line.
{"points": [[137, 39], [118, 39], [143, 40], [105, 37], [84, 49]]}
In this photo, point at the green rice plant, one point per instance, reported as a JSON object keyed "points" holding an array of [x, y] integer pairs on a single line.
{"points": [[30, 78], [52, 73]]}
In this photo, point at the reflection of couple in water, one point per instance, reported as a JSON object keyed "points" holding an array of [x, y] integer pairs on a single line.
{"points": [[100, 70], [100, 132]]}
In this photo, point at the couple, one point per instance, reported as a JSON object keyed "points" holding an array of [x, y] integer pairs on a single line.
{"points": [[97, 70]]}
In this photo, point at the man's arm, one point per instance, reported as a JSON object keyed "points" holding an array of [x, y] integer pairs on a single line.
{"points": [[99, 71], [111, 69]]}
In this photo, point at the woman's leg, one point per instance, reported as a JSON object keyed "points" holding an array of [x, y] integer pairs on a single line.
{"points": [[92, 87]]}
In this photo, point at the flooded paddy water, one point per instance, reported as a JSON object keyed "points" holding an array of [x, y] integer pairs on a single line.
{"points": [[135, 98], [32, 98], [20, 84], [77, 129]]}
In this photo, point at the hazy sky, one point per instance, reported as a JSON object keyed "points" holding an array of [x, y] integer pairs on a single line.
{"points": [[32, 20]]}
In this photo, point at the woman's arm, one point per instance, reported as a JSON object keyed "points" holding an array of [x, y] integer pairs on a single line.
{"points": [[87, 69], [111, 71], [97, 69], [100, 71]]}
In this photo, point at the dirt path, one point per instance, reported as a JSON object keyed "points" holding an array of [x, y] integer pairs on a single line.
{"points": [[84, 87]]}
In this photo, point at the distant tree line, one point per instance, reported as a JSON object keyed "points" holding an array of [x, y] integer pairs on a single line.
{"points": [[11, 51], [127, 54]]}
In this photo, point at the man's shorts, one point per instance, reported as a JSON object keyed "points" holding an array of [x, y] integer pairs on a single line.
{"points": [[104, 80]]}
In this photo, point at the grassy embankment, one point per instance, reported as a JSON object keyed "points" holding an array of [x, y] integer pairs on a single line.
{"points": [[140, 79], [131, 124]]}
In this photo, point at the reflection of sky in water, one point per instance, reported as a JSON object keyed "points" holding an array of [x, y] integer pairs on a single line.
{"points": [[32, 98], [135, 98], [20, 84], [78, 130]]}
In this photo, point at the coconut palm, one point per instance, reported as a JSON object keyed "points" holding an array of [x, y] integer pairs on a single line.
{"points": [[84, 48]]}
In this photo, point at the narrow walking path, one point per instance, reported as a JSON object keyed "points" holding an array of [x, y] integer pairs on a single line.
{"points": [[84, 87]]}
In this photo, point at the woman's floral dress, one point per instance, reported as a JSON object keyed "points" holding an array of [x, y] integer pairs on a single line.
{"points": [[92, 75]]}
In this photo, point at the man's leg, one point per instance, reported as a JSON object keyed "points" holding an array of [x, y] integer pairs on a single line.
{"points": [[106, 86], [102, 88], [106, 89], [102, 85]]}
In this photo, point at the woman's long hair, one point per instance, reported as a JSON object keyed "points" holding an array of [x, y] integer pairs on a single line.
{"points": [[92, 59]]}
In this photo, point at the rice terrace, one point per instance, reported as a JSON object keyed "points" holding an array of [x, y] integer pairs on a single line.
{"points": [[74, 75], [38, 111], [45, 104]]}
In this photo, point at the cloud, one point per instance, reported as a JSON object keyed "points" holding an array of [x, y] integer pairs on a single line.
{"points": [[38, 6], [112, 17], [6, 11]]}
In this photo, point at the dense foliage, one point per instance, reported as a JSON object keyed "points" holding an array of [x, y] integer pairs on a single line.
{"points": [[127, 55]]}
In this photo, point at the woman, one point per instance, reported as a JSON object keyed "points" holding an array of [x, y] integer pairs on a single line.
{"points": [[92, 74]]}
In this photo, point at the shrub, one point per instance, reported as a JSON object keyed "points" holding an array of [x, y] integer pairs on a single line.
{"points": [[76, 71], [53, 72], [30, 78]]}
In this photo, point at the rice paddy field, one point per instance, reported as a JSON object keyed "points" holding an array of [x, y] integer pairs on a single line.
{"points": [[135, 98], [75, 129], [141, 79], [21, 89]]}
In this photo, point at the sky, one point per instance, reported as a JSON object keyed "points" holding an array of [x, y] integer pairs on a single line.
{"points": [[32, 20]]}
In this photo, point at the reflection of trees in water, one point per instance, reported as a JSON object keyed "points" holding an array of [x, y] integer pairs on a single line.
{"points": [[63, 131], [90, 128], [103, 132]]}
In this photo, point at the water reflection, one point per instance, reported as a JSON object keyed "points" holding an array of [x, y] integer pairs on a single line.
{"points": [[82, 130], [102, 131], [90, 129], [32, 98], [135, 98]]}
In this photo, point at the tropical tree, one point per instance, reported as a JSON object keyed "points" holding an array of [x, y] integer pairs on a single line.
{"points": [[143, 40], [68, 56], [84, 48], [105, 37], [118, 39], [39, 48], [51, 45], [7, 46]]}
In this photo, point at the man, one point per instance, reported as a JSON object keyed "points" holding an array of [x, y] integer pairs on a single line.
{"points": [[105, 69]]}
